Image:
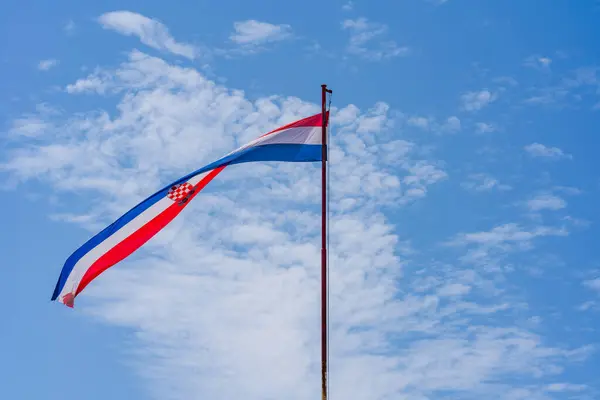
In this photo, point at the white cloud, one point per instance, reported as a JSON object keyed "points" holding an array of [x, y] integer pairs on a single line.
{"points": [[252, 37], [546, 202], [474, 101], [450, 125], [34, 124], [540, 150], [490, 251], [591, 305], [565, 387], [545, 61], [588, 305], [422, 175], [45, 65], [538, 62], [419, 122], [578, 222], [548, 97], [506, 80], [349, 6], [97, 82], [246, 254], [150, 32], [569, 90], [593, 284], [484, 183], [454, 289], [482, 127], [506, 233], [362, 35], [31, 126], [69, 27], [252, 32], [572, 191]]}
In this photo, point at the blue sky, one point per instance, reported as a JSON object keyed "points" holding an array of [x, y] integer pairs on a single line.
{"points": [[464, 199]]}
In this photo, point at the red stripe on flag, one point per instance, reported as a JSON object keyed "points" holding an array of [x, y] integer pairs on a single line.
{"points": [[141, 236], [312, 121]]}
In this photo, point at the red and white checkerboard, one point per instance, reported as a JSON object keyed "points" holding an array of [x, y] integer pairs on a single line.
{"points": [[178, 192]]}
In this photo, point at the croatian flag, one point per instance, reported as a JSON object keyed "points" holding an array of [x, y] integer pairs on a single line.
{"points": [[300, 141]]}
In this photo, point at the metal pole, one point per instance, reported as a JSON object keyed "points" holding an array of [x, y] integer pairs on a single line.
{"points": [[324, 92]]}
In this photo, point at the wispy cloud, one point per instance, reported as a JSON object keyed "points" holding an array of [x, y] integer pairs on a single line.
{"points": [[540, 150], [568, 89], [578, 222], [450, 125], [564, 387], [593, 284], [365, 40], [251, 37], [34, 124], [484, 183], [45, 65], [506, 81], [546, 202], [419, 122], [252, 32], [489, 250], [503, 234], [570, 190], [474, 101], [349, 6], [31, 127], [150, 32], [97, 82], [484, 127], [69, 27], [538, 62]]}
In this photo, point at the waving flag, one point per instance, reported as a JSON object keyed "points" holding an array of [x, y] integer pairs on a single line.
{"points": [[299, 141]]}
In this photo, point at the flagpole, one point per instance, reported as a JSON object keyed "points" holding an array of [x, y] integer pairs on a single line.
{"points": [[324, 121]]}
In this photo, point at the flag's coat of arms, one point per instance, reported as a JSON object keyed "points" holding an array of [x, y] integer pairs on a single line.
{"points": [[178, 192]]}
